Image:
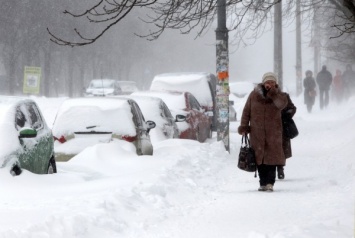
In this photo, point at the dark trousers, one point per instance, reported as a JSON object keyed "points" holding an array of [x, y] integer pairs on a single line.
{"points": [[267, 174], [323, 98]]}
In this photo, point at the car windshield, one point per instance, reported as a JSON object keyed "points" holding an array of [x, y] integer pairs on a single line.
{"points": [[9, 134]]}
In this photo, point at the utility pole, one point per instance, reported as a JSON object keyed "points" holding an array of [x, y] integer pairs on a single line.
{"points": [[298, 49], [316, 41], [222, 70], [278, 43]]}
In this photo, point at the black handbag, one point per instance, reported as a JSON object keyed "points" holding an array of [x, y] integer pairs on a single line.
{"points": [[289, 127], [246, 159]]}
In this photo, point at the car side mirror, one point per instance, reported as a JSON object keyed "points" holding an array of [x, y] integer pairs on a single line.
{"points": [[27, 133], [180, 118], [231, 103], [150, 125]]}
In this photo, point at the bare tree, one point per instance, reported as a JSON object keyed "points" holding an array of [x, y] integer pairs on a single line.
{"points": [[197, 15], [344, 19], [335, 28], [182, 15]]}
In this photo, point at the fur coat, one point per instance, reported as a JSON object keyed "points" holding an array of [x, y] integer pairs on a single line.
{"points": [[261, 118]]}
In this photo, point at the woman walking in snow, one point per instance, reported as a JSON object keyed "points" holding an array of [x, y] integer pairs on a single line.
{"points": [[261, 118]]}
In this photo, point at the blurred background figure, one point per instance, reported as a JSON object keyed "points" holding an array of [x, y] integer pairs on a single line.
{"points": [[324, 80], [338, 86], [309, 85], [348, 81]]}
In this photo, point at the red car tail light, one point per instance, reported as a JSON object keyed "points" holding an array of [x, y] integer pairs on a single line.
{"points": [[129, 138], [61, 139]]}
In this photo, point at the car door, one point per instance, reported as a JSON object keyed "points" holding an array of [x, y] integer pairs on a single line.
{"points": [[199, 121], [38, 150], [170, 128], [144, 145], [27, 154]]}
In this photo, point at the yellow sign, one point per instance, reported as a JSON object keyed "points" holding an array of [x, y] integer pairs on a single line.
{"points": [[32, 79]]}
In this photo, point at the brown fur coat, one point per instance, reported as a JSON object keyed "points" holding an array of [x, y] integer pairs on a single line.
{"points": [[262, 119]]}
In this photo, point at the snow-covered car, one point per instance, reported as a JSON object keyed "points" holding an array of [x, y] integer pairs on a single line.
{"points": [[200, 84], [196, 125], [26, 140], [127, 87], [103, 87], [154, 108], [241, 89], [238, 91], [232, 112], [84, 122]]}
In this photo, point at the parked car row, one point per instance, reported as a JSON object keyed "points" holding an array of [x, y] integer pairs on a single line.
{"points": [[176, 106], [193, 122]]}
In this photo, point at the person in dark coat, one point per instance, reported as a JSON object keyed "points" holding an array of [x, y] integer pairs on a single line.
{"points": [[324, 80], [261, 118], [288, 112], [309, 85]]}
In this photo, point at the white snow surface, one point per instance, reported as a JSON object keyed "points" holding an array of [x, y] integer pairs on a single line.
{"points": [[189, 189]]}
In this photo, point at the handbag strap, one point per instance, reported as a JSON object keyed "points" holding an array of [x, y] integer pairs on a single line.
{"points": [[245, 140]]}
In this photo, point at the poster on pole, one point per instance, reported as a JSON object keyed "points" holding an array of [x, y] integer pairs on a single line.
{"points": [[32, 79]]}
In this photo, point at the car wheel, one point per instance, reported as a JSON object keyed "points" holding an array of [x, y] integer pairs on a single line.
{"points": [[197, 135], [52, 167], [16, 170], [209, 133]]}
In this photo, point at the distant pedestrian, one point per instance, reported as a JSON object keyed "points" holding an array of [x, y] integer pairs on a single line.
{"points": [[288, 112], [324, 80], [309, 85], [349, 81], [338, 87], [261, 118]]}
